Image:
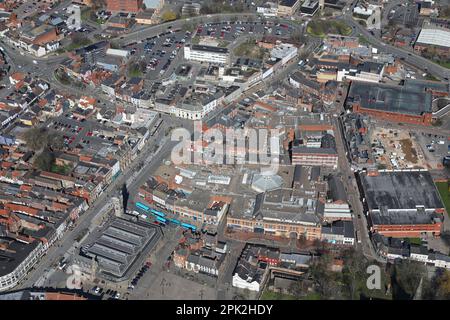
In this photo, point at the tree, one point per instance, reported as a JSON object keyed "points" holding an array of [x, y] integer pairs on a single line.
{"points": [[297, 36], [445, 236], [354, 270], [35, 138], [55, 141], [98, 4], [45, 160], [407, 275], [442, 284], [169, 16], [326, 284]]}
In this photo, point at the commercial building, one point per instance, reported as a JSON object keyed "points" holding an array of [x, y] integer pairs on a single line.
{"points": [[339, 232], [434, 37], [252, 268], [401, 203], [309, 7], [367, 71], [119, 245], [268, 9], [319, 150], [398, 103], [279, 212], [207, 54], [191, 9], [124, 5], [287, 8]]}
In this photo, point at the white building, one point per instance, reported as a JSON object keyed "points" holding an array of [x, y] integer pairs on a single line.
{"points": [[118, 53], [206, 54], [367, 71], [371, 14], [337, 211], [198, 107], [284, 51], [435, 37], [268, 9], [73, 21]]}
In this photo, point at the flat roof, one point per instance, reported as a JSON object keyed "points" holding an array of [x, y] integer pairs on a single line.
{"points": [[400, 190], [288, 3], [208, 48], [409, 217], [390, 98], [434, 36]]}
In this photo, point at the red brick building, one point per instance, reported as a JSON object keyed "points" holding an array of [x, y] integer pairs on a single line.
{"points": [[407, 230], [124, 5], [423, 119], [409, 103]]}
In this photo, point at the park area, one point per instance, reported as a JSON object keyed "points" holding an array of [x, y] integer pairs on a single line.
{"points": [[250, 50], [320, 28], [443, 187]]}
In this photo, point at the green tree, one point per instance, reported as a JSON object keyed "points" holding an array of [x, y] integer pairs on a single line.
{"points": [[35, 138], [354, 271], [408, 275], [45, 160], [169, 16]]}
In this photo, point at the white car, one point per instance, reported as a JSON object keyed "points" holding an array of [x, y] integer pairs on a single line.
{"points": [[117, 296], [97, 290]]}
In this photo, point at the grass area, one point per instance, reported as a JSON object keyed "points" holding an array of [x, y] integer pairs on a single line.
{"points": [[272, 295], [320, 28], [223, 43], [416, 241], [60, 169], [445, 195], [362, 40], [445, 64], [195, 40], [249, 49], [78, 44], [135, 73], [431, 77], [312, 296]]}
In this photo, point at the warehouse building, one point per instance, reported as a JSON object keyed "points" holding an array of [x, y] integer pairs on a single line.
{"points": [[401, 203], [397, 103]]}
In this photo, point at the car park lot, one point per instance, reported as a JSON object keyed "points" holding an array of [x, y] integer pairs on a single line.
{"points": [[435, 147], [158, 52], [231, 30]]}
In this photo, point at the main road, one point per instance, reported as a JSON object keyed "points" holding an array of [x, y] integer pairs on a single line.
{"points": [[408, 56], [62, 246]]}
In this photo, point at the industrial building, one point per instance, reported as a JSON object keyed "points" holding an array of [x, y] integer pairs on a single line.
{"points": [[401, 203], [398, 103]]}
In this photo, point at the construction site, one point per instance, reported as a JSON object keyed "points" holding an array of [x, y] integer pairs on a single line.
{"points": [[396, 149]]}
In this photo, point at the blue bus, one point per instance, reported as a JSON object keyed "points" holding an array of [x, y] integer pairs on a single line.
{"points": [[175, 221], [142, 206], [161, 220], [189, 226], [157, 213]]}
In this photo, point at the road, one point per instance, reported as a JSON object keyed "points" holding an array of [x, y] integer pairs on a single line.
{"points": [[408, 56], [349, 181], [85, 220]]}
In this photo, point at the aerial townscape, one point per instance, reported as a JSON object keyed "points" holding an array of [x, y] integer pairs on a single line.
{"points": [[224, 150]]}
